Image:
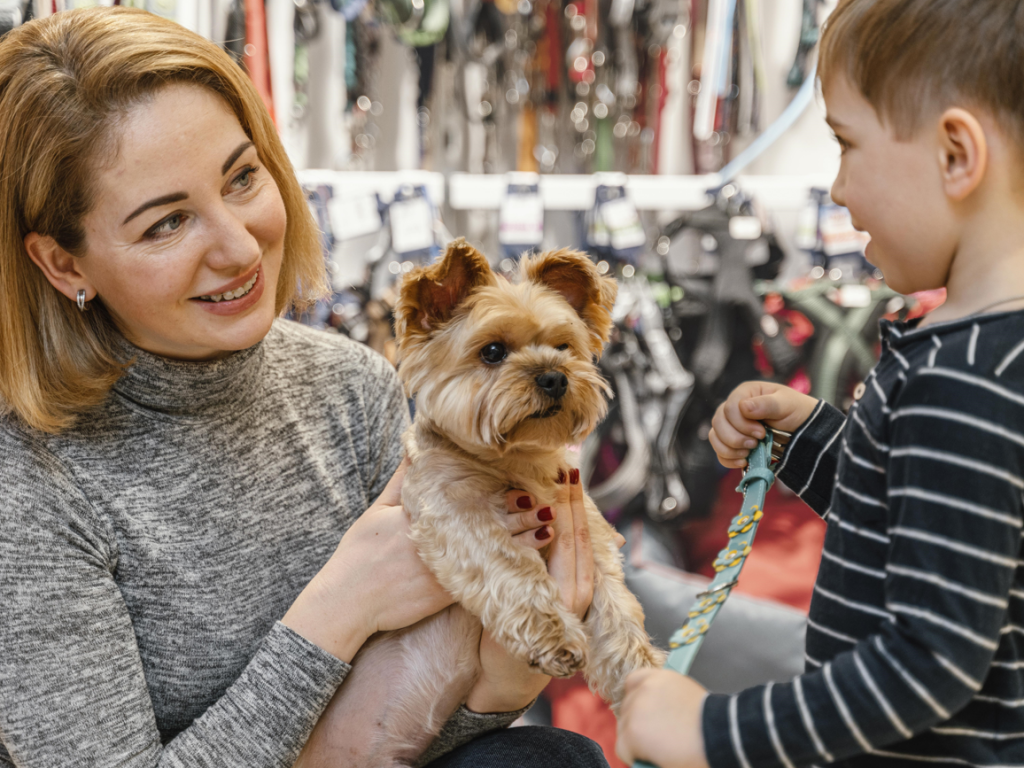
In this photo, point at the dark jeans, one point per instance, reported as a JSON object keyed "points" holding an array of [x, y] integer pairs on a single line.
{"points": [[531, 746]]}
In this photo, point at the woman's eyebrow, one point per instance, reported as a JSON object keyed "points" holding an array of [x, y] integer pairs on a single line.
{"points": [[234, 156], [174, 197], [177, 197]]}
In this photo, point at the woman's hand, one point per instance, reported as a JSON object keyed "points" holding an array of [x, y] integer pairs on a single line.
{"points": [[507, 684], [374, 581], [736, 426], [660, 720]]}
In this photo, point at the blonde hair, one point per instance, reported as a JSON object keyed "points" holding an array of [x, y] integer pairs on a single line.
{"points": [[909, 58], [65, 82]]}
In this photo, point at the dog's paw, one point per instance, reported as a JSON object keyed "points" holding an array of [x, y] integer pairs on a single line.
{"points": [[559, 662]]}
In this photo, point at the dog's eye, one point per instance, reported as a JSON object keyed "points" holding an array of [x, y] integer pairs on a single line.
{"points": [[494, 353], [562, 347]]}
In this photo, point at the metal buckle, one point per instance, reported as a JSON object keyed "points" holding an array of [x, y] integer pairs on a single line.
{"points": [[719, 588]]}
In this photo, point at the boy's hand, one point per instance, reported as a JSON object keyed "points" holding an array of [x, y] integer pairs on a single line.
{"points": [[736, 427], [660, 720]]}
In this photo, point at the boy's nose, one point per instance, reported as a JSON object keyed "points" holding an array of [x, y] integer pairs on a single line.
{"points": [[553, 384]]}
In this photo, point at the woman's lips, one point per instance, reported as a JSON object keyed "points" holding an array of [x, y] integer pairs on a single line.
{"points": [[234, 306]]}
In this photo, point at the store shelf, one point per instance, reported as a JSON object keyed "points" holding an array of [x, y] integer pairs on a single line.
{"points": [[649, 193], [383, 183], [482, 192]]}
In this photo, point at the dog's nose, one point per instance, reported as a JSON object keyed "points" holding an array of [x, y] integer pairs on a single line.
{"points": [[554, 384]]}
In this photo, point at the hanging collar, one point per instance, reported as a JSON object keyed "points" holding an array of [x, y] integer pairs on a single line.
{"points": [[184, 388]]}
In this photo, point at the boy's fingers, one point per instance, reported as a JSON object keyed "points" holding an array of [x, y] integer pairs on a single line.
{"points": [[729, 435], [723, 450], [741, 422], [770, 408]]}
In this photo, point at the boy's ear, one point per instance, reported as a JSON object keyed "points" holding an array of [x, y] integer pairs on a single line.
{"points": [[963, 152], [574, 275], [429, 295]]}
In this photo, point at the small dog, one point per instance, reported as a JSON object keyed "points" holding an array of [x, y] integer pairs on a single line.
{"points": [[504, 379]]}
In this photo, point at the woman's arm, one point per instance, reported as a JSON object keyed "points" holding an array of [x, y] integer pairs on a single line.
{"points": [[72, 687]]}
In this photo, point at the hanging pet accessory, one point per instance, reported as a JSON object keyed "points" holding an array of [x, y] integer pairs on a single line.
{"points": [[757, 479]]}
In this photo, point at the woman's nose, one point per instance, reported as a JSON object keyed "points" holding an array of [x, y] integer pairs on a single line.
{"points": [[231, 244]]}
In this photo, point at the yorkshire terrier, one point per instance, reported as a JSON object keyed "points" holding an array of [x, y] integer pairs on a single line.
{"points": [[504, 378]]}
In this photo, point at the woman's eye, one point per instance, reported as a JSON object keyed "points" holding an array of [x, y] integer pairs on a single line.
{"points": [[171, 224], [244, 179], [494, 353], [562, 347]]}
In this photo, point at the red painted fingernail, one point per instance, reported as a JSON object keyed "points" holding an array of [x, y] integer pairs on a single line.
{"points": [[524, 502], [561, 477], [543, 534], [574, 476], [545, 515]]}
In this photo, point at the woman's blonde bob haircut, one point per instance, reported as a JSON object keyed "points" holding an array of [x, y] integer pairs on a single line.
{"points": [[66, 82]]}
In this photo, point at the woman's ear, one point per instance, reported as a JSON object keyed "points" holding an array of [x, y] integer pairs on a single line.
{"points": [[59, 266], [963, 152]]}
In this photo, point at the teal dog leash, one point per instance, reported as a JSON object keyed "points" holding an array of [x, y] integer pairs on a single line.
{"points": [[685, 643]]}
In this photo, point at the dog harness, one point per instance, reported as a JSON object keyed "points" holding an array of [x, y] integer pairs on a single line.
{"points": [[757, 479]]}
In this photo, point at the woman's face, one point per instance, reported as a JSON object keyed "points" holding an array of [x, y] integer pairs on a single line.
{"points": [[185, 214]]}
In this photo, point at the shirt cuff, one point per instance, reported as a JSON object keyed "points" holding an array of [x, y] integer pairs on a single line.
{"points": [[464, 726]]}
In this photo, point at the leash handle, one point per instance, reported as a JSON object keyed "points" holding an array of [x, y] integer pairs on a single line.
{"points": [[757, 479]]}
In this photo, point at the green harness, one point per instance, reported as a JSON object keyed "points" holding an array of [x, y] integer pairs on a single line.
{"points": [[685, 643]]}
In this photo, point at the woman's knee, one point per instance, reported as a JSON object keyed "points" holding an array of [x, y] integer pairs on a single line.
{"points": [[532, 746]]}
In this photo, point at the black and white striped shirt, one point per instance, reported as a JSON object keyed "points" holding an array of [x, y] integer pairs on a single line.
{"points": [[915, 639]]}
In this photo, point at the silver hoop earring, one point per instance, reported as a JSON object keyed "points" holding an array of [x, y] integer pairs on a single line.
{"points": [[81, 299]]}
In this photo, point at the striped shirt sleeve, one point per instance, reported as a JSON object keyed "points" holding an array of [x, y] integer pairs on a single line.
{"points": [[809, 464], [953, 517]]}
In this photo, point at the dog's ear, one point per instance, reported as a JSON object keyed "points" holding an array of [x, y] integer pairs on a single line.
{"points": [[574, 275], [429, 295]]}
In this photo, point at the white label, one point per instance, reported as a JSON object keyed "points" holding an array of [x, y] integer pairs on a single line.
{"points": [[744, 228], [412, 225], [837, 233], [353, 217], [807, 228], [854, 296], [521, 220], [623, 223]]}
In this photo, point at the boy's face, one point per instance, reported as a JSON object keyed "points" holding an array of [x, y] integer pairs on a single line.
{"points": [[894, 191]]}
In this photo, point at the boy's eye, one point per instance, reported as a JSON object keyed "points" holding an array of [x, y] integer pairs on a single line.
{"points": [[494, 353]]}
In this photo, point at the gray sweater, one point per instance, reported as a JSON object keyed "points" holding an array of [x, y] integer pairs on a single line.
{"points": [[147, 555]]}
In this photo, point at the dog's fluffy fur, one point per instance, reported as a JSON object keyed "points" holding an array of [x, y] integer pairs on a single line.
{"points": [[480, 430]]}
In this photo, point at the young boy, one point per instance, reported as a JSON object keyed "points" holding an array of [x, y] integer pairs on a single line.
{"points": [[915, 640]]}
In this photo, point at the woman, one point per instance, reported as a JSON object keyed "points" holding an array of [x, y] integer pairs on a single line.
{"points": [[178, 465]]}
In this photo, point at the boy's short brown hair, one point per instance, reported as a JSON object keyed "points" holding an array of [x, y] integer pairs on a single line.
{"points": [[910, 58]]}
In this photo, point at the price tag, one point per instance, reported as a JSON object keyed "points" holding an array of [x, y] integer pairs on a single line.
{"points": [[412, 225], [853, 295], [521, 219], [623, 223], [353, 217], [837, 233], [744, 227], [807, 227]]}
